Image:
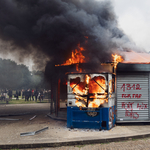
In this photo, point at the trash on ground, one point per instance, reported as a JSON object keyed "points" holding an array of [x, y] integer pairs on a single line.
{"points": [[32, 118], [34, 132]]}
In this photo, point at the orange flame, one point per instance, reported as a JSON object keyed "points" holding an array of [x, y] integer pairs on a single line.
{"points": [[116, 59], [110, 86], [76, 58], [96, 102], [87, 79], [97, 85], [79, 103], [92, 89]]}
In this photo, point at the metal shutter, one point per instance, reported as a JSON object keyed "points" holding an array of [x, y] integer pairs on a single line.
{"points": [[132, 97]]}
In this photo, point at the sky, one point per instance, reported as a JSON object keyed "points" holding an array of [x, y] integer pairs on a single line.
{"points": [[134, 20]]}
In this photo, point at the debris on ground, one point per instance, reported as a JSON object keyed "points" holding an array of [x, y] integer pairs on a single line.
{"points": [[32, 117], [34, 132]]}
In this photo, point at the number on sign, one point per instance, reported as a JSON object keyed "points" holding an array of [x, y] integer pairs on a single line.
{"points": [[125, 87]]}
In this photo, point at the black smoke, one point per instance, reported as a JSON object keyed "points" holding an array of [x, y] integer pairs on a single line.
{"points": [[56, 27]]}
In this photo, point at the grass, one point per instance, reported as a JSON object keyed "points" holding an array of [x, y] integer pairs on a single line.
{"points": [[22, 101], [80, 146], [105, 143], [135, 139]]}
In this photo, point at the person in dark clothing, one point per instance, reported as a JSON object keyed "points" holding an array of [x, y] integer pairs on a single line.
{"points": [[10, 94], [32, 94], [17, 94], [36, 95], [26, 95], [5, 93]]}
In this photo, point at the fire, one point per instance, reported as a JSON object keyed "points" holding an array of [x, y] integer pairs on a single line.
{"points": [[79, 103], [110, 86], [77, 86], [96, 103], [87, 79], [89, 93], [97, 85], [116, 59], [76, 58]]}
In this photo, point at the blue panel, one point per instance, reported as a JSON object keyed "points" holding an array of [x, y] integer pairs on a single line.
{"points": [[105, 117], [69, 117], [101, 118], [109, 116]]}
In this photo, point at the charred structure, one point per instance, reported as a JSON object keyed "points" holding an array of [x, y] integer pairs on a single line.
{"points": [[88, 92]]}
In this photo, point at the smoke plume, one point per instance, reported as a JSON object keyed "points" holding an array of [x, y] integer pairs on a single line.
{"points": [[51, 29]]}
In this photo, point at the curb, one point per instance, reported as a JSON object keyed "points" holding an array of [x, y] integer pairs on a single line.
{"points": [[71, 143], [56, 118]]}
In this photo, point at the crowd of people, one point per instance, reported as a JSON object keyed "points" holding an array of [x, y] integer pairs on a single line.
{"points": [[28, 94], [33, 95]]}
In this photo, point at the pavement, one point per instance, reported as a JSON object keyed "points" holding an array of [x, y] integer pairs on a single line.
{"points": [[33, 117]]}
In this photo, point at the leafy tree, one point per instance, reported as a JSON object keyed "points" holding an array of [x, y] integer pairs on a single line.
{"points": [[13, 76]]}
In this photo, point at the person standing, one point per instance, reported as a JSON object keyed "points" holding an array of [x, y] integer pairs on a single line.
{"points": [[36, 95], [5, 94], [10, 94], [32, 94], [17, 94], [41, 95], [26, 95]]}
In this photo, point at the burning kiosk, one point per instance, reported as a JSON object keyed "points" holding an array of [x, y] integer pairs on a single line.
{"points": [[90, 92], [90, 95], [91, 100]]}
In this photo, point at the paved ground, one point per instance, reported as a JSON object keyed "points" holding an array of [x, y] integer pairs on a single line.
{"points": [[57, 134], [125, 145]]}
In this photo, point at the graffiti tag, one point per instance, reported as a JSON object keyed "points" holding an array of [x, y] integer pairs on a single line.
{"points": [[131, 96], [131, 114], [125, 87]]}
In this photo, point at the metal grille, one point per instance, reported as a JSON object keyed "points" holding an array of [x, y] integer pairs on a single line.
{"points": [[132, 97]]}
